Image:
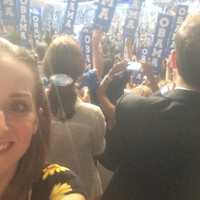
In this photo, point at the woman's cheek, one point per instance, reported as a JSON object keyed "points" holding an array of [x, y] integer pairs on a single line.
{"points": [[24, 131]]}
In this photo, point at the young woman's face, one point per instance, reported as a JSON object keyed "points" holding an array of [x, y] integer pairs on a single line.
{"points": [[18, 117]]}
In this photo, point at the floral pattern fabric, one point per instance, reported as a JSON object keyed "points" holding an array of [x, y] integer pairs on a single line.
{"points": [[55, 183]]}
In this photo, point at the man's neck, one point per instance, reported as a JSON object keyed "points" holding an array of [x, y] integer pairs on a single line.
{"points": [[180, 83]]}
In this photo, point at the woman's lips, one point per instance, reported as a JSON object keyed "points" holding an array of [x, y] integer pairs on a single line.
{"points": [[5, 146]]}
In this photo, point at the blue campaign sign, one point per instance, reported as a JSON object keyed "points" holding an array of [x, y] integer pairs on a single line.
{"points": [[36, 24], [181, 13], [86, 45], [70, 15], [8, 9], [132, 19], [160, 39], [23, 7], [143, 54], [104, 14], [47, 18]]}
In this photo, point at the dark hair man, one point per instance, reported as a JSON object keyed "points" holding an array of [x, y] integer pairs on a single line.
{"points": [[154, 147]]}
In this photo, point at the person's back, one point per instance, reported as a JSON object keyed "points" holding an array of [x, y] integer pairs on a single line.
{"points": [[77, 141], [78, 129], [154, 147], [157, 147]]}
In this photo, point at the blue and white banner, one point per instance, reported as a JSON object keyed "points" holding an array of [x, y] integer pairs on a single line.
{"points": [[48, 14], [160, 40], [181, 13], [36, 24], [86, 45], [104, 14], [57, 22], [132, 19], [8, 9], [23, 7], [70, 15], [143, 54]]}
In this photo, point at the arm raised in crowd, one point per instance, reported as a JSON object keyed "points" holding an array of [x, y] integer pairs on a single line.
{"points": [[148, 72], [130, 49], [97, 51], [107, 107]]}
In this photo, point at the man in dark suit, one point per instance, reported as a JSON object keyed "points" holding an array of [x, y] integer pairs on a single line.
{"points": [[154, 148]]}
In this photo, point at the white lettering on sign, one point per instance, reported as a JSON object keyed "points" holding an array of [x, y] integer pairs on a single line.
{"points": [[136, 4], [144, 51], [36, 30], [23, 21], [23, 2], [85, 30], [173, 44], [87, 58], [8, 2], [161, 32], [108, 3], [164, 22], [23, 27], [157, 53], [87, 39], [181, 14], [36, 19], [9, 11], [23, 35], [180, 20], [159, 43], [155, 61], [68, 24], [87, 49], [23, 10], [72, 6], [8, 8], [182, 11], [130, 24], [70, 14]]}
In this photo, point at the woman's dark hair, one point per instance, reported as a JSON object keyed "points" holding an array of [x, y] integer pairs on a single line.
{"points": [[63, 57], [30, 166]]}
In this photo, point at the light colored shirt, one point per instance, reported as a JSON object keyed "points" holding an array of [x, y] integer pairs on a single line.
{"points": [[75, 142]]}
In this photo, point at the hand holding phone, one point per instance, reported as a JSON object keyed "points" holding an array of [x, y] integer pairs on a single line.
{"points": [[134, 66]]}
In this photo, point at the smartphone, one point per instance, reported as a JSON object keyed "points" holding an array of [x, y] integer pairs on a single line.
{"points": [[134, 66]]}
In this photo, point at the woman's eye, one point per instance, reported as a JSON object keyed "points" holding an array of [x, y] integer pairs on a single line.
{"points": [[19, 107]]}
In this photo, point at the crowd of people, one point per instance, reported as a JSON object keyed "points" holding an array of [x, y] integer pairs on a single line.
{"points": [[104, 133]]}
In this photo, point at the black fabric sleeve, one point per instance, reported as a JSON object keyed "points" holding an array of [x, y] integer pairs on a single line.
{"points": [[116, 149], [126, 141], [53, 182]]}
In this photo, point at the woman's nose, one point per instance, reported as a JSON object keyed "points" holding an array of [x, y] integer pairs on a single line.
{"points": [[3, 124]]}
